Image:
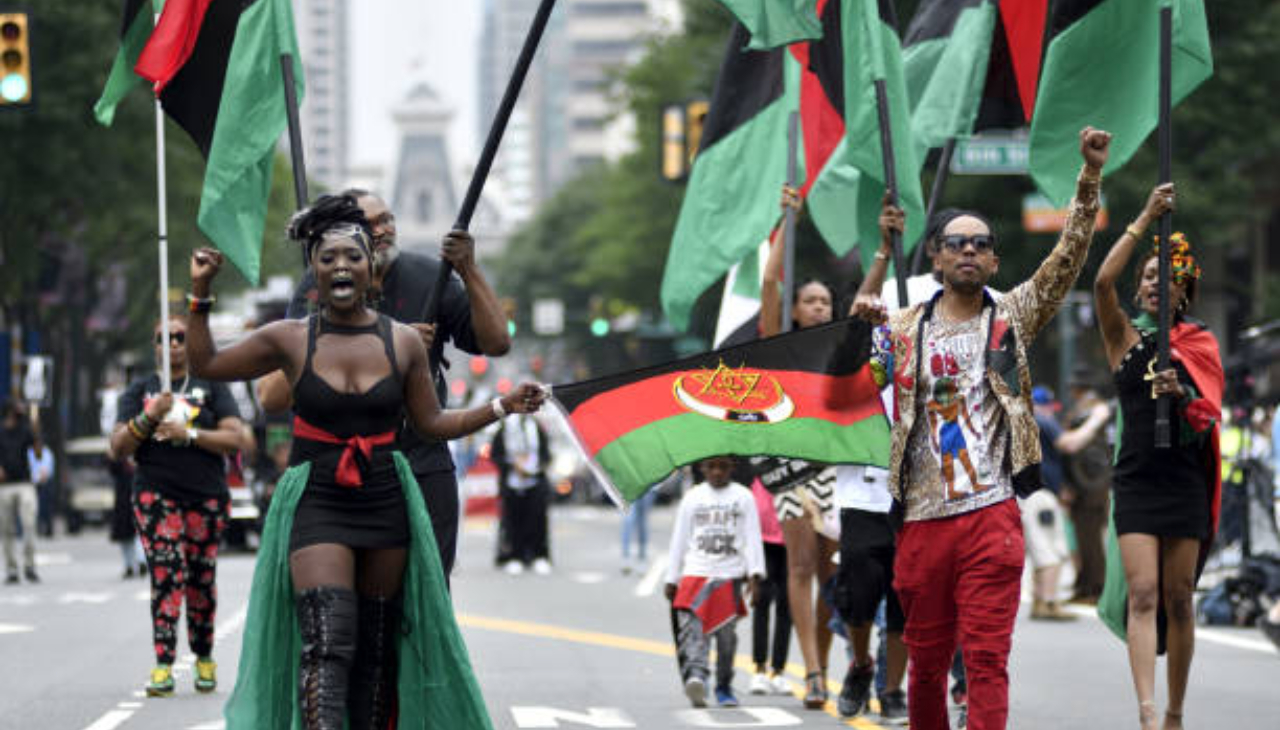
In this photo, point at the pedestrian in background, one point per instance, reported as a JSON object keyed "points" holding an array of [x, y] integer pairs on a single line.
{"points": [[1043, 523], [773, 595], [40, 465], [1086, 489], [716, 551], [522, 454], [17, 495], [178, 438], [1166, 499], [122, 527], [635, 525]]}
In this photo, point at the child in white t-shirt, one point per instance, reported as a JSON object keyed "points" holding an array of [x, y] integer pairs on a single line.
{"points": [[715, 548]]}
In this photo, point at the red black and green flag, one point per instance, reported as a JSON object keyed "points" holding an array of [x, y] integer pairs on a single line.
{"points": [[807, 394], [172, 42], [859, 47], [227, 91], [731, 201], [135, 30], [972, 65], [1102, 68], [774, 23]]}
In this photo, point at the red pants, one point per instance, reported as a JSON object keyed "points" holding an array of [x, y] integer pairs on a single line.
{"points": [[959, 579]]}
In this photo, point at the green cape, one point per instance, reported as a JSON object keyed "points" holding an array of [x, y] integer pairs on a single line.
{"points": [[437, 686]]}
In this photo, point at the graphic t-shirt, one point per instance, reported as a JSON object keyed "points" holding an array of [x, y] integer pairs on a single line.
{"points": [[960, 438], [716, 535]]}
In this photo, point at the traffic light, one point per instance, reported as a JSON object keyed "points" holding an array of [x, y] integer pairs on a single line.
{"points": [[599, 323], [675, 160], [15, 59]]}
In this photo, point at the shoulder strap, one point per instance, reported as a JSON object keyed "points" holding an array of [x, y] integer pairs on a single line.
{"points": [[313, 323], [387, 335]]}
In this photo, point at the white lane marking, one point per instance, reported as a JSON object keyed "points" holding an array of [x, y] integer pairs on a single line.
{"points": [[15, 628], [25, 599], [606, 717], [43, 559], [1213, 636], [211, 725], [233, 624], [129, 705], [113, 719], [652, 578], [589, 577], [755, 717], [86, 597], [143, 595]]}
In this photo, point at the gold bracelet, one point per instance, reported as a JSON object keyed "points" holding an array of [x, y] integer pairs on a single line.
{"points": [[1137, 234]]}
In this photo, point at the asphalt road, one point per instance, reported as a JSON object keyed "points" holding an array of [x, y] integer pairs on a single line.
{"points": [[584, 647]]}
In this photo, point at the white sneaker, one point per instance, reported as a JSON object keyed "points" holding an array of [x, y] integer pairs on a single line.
{"points": [[513, 567], [760, 685], [542, 566], [781, 685], [696, 690]]}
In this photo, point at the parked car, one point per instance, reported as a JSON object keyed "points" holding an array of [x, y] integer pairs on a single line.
{"points": [[90, 493]]}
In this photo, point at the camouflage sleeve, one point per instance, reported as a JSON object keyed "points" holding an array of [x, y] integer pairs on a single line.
{"points": [[1034, 302]]}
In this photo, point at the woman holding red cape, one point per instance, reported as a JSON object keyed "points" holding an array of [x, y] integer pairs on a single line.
{"points": [[1166, 500]]}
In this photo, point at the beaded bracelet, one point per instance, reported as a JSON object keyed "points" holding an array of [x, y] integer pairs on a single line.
{"points": [[198, 305], [139, 432]]}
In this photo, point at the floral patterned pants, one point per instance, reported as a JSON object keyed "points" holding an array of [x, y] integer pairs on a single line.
{"points": [[181, 542]]}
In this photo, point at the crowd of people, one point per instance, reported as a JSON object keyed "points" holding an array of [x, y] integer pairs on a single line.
{"points": [[350, 601]]}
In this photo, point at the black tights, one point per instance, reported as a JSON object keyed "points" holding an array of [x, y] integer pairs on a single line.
{"points": [[372, 573], [349, 616]]}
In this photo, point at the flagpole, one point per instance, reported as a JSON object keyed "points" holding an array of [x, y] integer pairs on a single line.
{"points": [[940, 178], [789, 224], [490, 151], [890, 164], [296, 155], [1163, 439], [295, 132], [891, 181], [162, 223]]}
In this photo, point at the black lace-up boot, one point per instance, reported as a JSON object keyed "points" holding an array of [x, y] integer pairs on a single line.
{"points": [[327, 622], [373, 678]]}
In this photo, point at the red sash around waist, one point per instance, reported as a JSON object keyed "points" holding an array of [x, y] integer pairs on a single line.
{"points": [[348, 471]]}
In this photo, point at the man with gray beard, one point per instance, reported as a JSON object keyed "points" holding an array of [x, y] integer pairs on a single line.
{"points": [[470, 317]]}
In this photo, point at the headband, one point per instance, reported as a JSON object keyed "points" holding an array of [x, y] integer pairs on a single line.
{"points": [[1182, 265]]}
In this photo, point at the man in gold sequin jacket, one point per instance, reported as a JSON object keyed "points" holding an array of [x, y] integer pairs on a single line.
{"points": [[965, 442]]}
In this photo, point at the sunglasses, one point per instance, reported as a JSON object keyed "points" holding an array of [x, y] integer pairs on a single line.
{"points": [[175, 338], [957, 241]]}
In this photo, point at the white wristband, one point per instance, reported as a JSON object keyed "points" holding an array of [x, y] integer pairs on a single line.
{"points": [[498, 410]]}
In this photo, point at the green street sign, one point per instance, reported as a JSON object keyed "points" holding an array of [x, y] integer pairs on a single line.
{"points": [[991, 155]]}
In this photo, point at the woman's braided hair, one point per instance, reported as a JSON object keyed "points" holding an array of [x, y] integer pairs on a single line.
{"points": [[331, 215]]}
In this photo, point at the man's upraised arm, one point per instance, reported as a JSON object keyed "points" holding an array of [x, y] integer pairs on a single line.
{"points": [[1034, 302]]}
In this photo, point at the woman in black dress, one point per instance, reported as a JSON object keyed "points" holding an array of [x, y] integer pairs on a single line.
{"points": [[1165, 499], [348, 534]]}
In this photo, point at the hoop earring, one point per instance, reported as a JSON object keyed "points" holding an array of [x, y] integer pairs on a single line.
{"points": [[1137, 300]]}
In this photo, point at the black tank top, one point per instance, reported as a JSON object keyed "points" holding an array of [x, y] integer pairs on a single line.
{"points": [[375, 411]]}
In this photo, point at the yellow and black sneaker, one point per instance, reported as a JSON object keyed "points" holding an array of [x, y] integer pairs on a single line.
{"points": [[161, 684], [206, 675]]}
